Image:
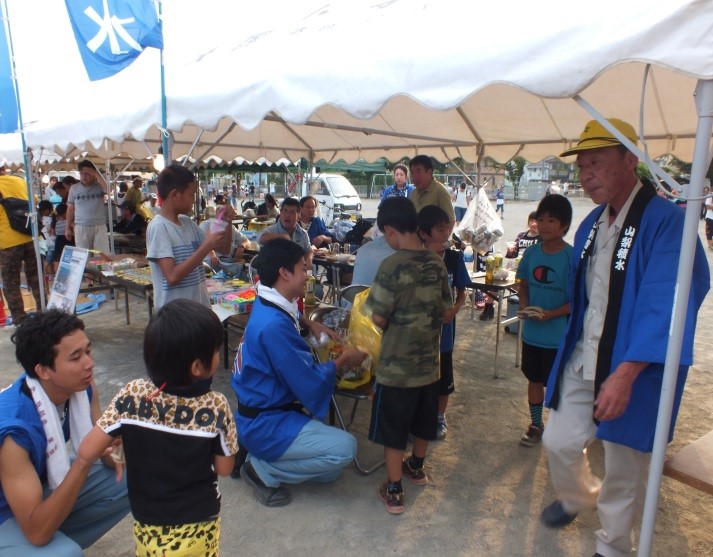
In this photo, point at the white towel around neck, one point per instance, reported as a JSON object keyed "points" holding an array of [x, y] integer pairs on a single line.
{"points": [[272, 295], [80, 423]]}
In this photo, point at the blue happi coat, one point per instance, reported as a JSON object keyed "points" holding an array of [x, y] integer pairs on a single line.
{"points": [[644, 321], [274, 367]]}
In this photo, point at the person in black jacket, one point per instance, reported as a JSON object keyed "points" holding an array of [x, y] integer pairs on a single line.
{"points": [[131, 222]]}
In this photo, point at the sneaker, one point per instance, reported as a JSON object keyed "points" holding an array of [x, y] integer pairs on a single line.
{"points": [[394, 502], [488, 313], [441, 430], [554, 515], [416, 475], [268, 496], [532, 436]]}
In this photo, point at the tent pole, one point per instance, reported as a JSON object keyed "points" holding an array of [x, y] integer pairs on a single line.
{"points": [[655, 169], [27, 160], [704, 106], [165, 143], [110, 201], [34, 220], [459, 169]]}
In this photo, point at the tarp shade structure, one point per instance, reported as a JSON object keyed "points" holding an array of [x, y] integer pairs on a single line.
{"points": [[362, 79], [367, 79]]}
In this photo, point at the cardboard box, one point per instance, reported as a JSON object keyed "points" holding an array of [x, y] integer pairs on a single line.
{"points": [[29, 300]]}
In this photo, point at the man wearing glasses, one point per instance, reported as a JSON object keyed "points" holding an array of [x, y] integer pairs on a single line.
{"points": [[286, 226]]}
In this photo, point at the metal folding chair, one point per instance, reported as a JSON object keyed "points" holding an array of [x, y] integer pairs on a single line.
{"points": [[338, 319], [348, 293]]}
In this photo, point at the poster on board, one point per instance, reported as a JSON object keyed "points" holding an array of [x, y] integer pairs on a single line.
{"points": [[68, 279]]}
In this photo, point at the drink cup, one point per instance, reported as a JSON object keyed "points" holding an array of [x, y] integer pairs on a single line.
{"points": [[347, 249], [335, 248], [511, 248], [217, 226]]}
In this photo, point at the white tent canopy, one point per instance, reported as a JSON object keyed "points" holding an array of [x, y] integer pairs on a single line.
{"points": [[369, 79], [360, 79]]}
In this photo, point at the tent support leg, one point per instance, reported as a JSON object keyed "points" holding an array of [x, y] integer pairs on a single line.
{"points": [[704, 106]]}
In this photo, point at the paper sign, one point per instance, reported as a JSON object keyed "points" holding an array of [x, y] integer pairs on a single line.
{"points": [[68, 280]]}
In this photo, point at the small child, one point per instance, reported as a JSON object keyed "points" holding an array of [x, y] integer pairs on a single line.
{"points": [[46, 210], [433, 228], [408, 301], [176, 246], [525, 239], [544, 283], [59, 227], [177, 435]]}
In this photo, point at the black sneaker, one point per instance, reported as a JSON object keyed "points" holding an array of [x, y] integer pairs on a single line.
{"points": [[416, 475], [394, 502], [554, 515], [268, 496]]}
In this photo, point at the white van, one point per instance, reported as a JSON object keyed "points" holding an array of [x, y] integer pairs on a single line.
{"points": [[335, 194]]}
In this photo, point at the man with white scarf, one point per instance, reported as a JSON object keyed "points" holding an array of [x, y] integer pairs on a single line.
{"points": [[50, 504], [275, 379]]}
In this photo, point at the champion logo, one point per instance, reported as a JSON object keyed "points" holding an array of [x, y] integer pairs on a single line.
{"points": [[543, 273]]}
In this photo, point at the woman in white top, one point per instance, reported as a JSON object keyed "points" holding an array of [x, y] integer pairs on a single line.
{"points": [[461, 203]]}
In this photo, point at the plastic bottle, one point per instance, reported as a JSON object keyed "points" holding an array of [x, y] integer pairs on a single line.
{"points": [[498, 261], [489, 269], [468, 254], [517, 264], [310, 299]]}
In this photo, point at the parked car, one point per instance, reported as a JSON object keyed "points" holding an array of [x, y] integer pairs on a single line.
{"points": [[335, 195]]}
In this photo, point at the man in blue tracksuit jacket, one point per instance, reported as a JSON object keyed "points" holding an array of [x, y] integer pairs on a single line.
{"points": [[276, 380]]}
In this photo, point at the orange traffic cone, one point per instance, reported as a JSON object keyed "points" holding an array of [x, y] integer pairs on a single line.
{"points": [[3, 318]]}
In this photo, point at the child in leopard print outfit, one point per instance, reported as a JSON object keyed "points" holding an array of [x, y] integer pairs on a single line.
{"points": [[177, 434]]}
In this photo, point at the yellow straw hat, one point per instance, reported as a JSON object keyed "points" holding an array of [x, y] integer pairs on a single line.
{"points": [[596, 136]]}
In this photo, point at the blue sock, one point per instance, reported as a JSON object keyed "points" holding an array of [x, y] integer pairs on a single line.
{"points": [[536, 415]]}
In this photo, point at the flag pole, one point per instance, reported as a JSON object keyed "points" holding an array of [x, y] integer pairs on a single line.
{"points": [[165, 139], [26, 158]]}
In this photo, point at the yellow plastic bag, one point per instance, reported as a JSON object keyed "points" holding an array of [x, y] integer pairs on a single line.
{"points": [[364, 335]]}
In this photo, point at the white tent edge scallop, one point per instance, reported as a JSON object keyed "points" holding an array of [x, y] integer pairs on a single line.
{"points": [[242, 91]]}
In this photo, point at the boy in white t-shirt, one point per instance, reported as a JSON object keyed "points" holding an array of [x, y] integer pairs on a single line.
{"points": [[176, 245]]}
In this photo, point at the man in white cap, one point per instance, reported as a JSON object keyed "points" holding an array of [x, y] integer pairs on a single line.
{"points": [[608, 372], [154, 207]]}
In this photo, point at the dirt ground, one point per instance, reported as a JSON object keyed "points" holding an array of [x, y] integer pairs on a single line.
{"points": [[487, 490]]}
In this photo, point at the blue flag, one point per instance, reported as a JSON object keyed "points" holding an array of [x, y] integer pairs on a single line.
{"points": [[112, 33], [8, 101]]}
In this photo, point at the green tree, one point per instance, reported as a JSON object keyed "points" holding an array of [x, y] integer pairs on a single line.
{"points": [[643, 172], [514, 169]]}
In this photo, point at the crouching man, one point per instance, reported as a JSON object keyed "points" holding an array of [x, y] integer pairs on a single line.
{"points": [[49, 504], [275, 378]]}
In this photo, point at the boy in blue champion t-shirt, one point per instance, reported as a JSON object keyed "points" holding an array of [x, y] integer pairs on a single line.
{"points": [[544, 283]]}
